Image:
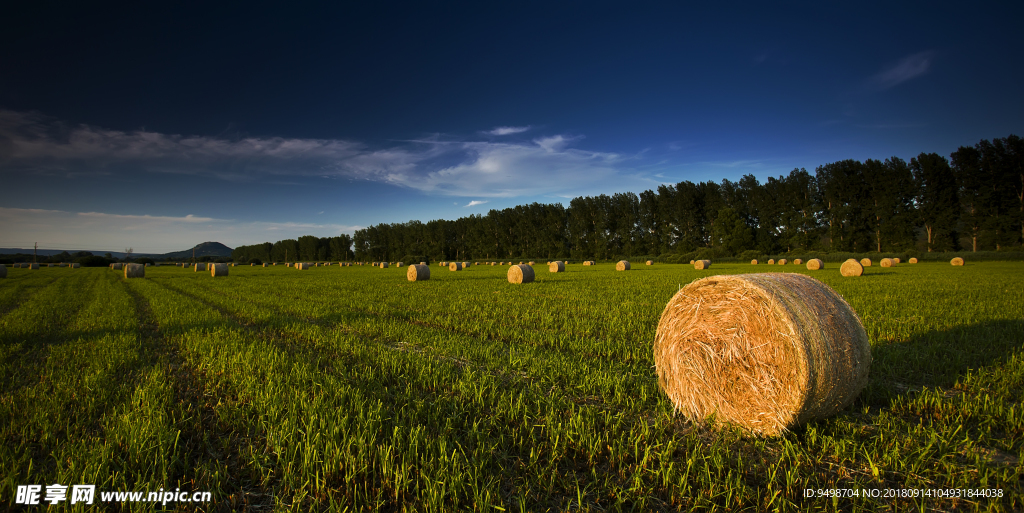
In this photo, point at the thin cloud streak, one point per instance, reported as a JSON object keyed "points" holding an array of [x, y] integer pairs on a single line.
{"points": [[475, 203], [910, 67], [32, 143], [508, 130], [110, 232]]}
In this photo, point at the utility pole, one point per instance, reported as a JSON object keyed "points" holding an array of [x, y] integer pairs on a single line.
{"points": [[34, 251]]}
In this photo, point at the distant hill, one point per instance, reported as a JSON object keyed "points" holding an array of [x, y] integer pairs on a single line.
{"points": [[213, 249]]}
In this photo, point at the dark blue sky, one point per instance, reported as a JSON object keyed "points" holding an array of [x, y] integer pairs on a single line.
{"points": [[261, 123]]}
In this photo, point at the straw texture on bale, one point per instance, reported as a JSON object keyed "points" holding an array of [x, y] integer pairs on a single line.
{"points": [[586, 262], [887, 262], [702, 264], [520, 274], [557, 267], [912, 260], [771, 261], [957, 261], [649, 262], [423, 263], [783, 261], [865, 262], [199, 267], [753, 262], [134, 271], [418, 272], [798, 261], [691, 262], [815, 264], [3, 271], [765, 352], [622, 265], [455, 266], [851, 267], [220, 270]]}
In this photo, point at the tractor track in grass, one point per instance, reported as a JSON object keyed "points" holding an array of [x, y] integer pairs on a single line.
{"points": [[204, 437], [19, 298]]}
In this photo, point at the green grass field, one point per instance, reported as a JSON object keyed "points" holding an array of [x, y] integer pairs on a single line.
{"points": [[355, 389]]}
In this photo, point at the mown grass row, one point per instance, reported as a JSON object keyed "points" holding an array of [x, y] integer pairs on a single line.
{"points": [[355, 389]]}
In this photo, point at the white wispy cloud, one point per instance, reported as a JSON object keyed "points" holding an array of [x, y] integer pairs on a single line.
{"points": [[33, 143], [100, 231], [475, 203], [508, 130], [908, 68]]}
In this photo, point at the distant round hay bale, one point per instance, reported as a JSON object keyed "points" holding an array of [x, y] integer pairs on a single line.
{"points": [[198, 267], [418, 272], [586, 262], [301, 266], [851, 267], [134, 271], [887, 262], [692, 262], [865, 262], [815, 264], [520, 274], [465, 265], [75, 266], [622, 265], [783, 261], [753, 262], [399, 264], [957, 261], [556, 267], [455, 266], [798, 261], [492, 263], [220, 270], [383, 265], [264, 265], [771, 261], [897, 260], [531, 262], [765, 352], [116, 267], [702, 264], [3, 271], [649, 262], [423, 263], [912, 260]]}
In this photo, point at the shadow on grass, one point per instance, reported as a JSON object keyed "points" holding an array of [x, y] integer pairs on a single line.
{"points": [[940, 358]]}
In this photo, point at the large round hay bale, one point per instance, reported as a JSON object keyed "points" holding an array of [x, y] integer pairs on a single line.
{"points": [[220, 270], [134, 271], [455, 266], [912, 260], [753, 262], [556, 267], [783, 261], [3, 271], [771, 261], [75, 266], [957, 261], [702, 264], [649, 262], [198, 267], [765, 352], [622, 265], [896, 259], [418, 272], [798, 261], [116, 267], [520, 274], [851, 267], [865, 262], [887, 262], [815, 264]]}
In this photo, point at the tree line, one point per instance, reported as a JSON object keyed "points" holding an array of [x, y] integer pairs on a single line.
{"points": [[974, 200]]}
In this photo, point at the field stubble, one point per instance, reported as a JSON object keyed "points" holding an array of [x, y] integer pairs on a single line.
{"points": [[354, 388]]}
